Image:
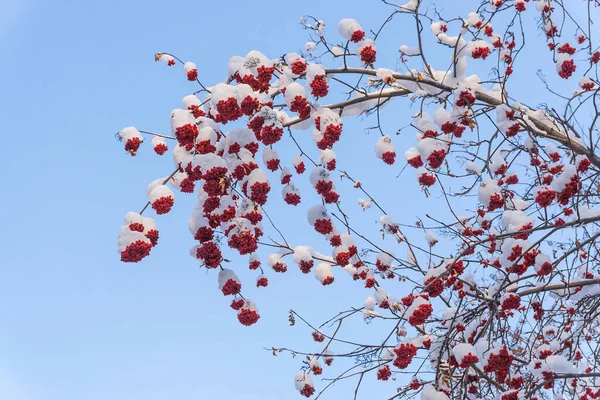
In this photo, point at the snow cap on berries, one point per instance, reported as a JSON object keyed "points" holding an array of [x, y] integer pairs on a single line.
{"points": [[323, 273], [490, 194], [169, 59], [328, 159], [367, 51], [291, 194], [159, 145], [313, 71], [320, 219], [275, 261], [191, 71], [248, 313], [270, 158], [292, 90], [384, 149], [160, 196], [229, 283], [351, 30], [132, 139], [304, 384]]}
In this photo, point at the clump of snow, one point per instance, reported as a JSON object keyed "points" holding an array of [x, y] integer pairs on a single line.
{"points": [[429, 393], [347, 26], [323, 272]]}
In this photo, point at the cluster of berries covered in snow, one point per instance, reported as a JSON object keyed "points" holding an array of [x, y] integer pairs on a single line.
{"points": [[521, 174]]}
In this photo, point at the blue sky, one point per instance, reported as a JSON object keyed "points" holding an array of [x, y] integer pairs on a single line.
{"points": [[75, 322]]}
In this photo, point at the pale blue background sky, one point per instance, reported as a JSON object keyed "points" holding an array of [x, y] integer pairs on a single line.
{"points": [[75, 323]]}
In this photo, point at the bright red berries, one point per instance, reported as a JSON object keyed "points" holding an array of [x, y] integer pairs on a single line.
{"points": [[160, 149], [163, 205], [512, 180], [318, 337], [545, 269], [292, 199], [389, 157], [259, 192], [453, 128], [237, 304], [587, 86], [415, 162], [583, 165], [248, 317], [466, 99], [404, 355], [436, 158], [196, 110], [306, 266], [420, 315], [132, 145], [136, 251], [273, 164], [319, 86], [231, 287], [187, 185], [520, 6], [204, 234], [186, 136], [307, 390], [280, 267], [249, 105], [300, 168], [270, 134], [415, 384], [244, 242], [468, 360], [499, 362], [427, 179], [544, 197], [567, 49], [511, 302], [301, 106], [210, 254], [384, 373], [357, 36], [513, 129], [496, 202], [481, 52], [330, 136], [434, 286], [328, 281], [228, 110], [323, 226], [298, 67], [152, 235], [570, 190], [567, 69], [254, 264], [316, 369], [286, 176], [136, 227], [192, 75], [368, 55]]}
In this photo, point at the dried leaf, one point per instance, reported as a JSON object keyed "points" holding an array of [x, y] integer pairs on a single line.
{"points": [[519, 351]]}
